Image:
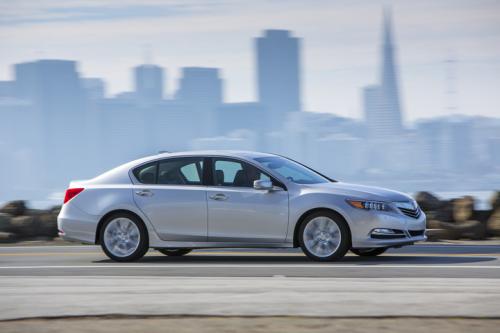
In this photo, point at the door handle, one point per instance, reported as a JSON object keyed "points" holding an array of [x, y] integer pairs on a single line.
{"points": [[144, 193], [218, 196]]}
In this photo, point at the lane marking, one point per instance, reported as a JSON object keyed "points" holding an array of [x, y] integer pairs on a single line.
{"points": [[112, 266]]}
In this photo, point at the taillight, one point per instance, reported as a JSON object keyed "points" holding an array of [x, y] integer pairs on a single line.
{"points": [[71, 193]]}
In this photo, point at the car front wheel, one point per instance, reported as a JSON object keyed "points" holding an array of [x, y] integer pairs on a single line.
{"points": [[324, 236], [174, 252], [124, 237]]}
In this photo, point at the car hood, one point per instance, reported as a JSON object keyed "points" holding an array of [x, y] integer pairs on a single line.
{"points": [[361, 192]]}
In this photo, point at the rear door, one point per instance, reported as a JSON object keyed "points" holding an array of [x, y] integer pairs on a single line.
{"points": [[172, 196]]}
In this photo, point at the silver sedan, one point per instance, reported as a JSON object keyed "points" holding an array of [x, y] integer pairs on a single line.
{"points": [[176, 202]]}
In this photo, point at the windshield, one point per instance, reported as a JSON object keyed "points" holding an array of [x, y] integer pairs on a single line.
{"points": [[291, 170]]}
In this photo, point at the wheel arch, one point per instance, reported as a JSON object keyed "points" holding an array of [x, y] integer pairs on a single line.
{"points": [[314, 210], [113, 212]]}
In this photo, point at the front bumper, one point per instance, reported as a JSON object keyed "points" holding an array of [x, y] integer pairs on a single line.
{"points": [[368, 230]]}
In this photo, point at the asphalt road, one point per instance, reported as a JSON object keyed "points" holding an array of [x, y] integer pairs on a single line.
{"points": [[423, 280], [426, 260]]}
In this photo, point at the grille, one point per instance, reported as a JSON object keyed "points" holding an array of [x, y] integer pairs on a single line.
{"points": [[414, 233], [414, 213]]}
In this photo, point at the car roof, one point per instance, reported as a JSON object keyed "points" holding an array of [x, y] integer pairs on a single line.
{"points": [[229, 153], [120, 174]]}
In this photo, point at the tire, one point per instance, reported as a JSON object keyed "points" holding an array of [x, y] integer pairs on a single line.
{"points": [[128, 234], [175, 252], [333, 236], [369, 252]]}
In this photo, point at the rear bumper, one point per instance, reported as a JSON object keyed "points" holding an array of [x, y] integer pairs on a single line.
{"points": [[74, 225]]}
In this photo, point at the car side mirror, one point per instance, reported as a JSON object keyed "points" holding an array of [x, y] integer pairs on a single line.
{"points": [[263, 185]]}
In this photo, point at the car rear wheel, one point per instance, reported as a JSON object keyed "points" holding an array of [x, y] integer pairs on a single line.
{"points": [[174, 252], [370, 252], [124, 237], [324, 236]]}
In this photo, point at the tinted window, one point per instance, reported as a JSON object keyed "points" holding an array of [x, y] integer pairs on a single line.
{"points": [[181, 171], [146, 174], [291, 170], [236, 173]]}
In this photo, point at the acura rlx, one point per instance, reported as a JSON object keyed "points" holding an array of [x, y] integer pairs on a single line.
{"points": [[176, 202]]}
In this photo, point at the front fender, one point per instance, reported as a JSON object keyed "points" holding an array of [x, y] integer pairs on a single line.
{"points": [[304, 203]]}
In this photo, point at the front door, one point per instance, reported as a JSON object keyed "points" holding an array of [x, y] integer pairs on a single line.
{"points": [[239, 213], [173, 198]]}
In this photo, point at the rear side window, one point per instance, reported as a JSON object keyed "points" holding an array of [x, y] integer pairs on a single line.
{"points": [[181, 171], [146, 174]]}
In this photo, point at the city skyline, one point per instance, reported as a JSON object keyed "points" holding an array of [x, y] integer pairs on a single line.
{"points": [[63, 123], [340, 55]]}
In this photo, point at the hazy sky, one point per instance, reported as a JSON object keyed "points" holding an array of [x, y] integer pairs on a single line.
{"points": [[340, 53]]}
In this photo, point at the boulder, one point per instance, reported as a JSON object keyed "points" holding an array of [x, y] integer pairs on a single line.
{"points": [[472, 230], [4, 222], [7, 237], [463, 208], [493, 224], [14, 208], [440, 234], [445, 211], [427, 201], [433, 223], [495, 201], [24, 226], [468, 229], [47, 225], [55, 210], [447, 231]]}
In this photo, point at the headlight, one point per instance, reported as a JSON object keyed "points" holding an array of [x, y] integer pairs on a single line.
{"points": [[370, 205]]}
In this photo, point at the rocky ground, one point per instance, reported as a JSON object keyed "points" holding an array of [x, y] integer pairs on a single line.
{"points": [[18, 222], [458, 219], [446, 219]]}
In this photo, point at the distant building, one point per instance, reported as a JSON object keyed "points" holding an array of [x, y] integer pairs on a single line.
{"points": [[381, 102], [371, 98], [55, 89], [245, 115], [200, 86], [7, 89], [53, 84], [200, 91], [149, 84], [278, 74], [95, 88], [382, 111]]}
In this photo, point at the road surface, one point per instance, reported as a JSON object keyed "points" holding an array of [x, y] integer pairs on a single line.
{"points": [[423, 280]]}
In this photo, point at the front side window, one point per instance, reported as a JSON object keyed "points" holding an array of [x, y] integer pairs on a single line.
{"points": [[236, 173], [291, 170]]}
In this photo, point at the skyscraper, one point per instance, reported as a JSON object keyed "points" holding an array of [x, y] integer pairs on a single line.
{"points": [[54, 88], [278, 74], [200, 91], [390, 104], [200, 85], [148, 84], [382, 110], [381, 102]]}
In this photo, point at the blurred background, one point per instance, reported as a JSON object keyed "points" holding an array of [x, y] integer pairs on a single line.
{"points": [[400, 94]]}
